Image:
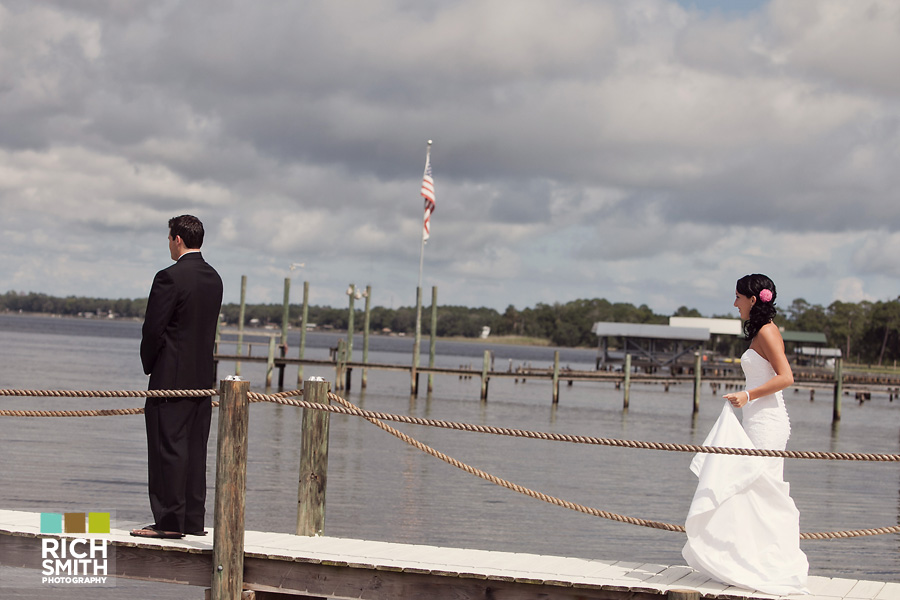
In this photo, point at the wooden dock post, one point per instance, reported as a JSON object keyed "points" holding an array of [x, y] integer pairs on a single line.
{"points": [[231, 483], [313, 460], [304, 316], [484, 375], [240, 342], [838, 389], [414, 372], [339, 359], [270, 363], [285, 322], [698, 371], [431, 345], [556, 377], [627, 386], [366, 327], [351, 291]]}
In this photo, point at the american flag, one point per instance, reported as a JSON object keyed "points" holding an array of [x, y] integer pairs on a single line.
{"points": [[428, 194]]}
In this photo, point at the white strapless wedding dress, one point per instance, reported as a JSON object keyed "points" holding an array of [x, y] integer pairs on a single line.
{"points": [[743, 527]]}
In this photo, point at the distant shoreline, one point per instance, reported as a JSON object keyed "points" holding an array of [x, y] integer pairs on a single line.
{"points": [[506, 340]]}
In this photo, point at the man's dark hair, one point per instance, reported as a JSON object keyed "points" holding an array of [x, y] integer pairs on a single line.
{"points": [[189, 228]]}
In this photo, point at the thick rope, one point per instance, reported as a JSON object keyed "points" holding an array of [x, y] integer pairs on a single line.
{"points": [[347, 408], [580, 439], [287, 398], [105, 412], [111, 394]]}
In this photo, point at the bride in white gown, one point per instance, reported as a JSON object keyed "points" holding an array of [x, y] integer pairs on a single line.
{"points": [[743, 527]]}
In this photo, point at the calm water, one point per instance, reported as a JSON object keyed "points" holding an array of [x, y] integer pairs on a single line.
{"points": [[380, 488]]}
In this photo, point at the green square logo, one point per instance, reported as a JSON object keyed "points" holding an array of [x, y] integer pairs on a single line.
{"points": [[51, 523], [98, 522]]}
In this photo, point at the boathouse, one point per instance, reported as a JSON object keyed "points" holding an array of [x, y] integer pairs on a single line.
{"points": [[653, 346], [807, 347], [662, 346]]}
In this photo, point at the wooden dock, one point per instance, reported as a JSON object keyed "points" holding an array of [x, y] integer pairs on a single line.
{"points": [[280, 566]]}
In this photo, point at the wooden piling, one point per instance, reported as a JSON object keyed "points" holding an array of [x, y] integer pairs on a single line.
{"points": [[231, 484], [556, 377], [627, 386], [304, 316], [698, 372], [484, 375], [270, 363], [366, 327], [432, 343], [285, 322], [414, 372], [838, 389], [313, 460], [240, 342], [351, 291], [339, 359]]}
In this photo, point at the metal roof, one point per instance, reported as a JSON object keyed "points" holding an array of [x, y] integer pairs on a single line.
{"points": [[817, 351], [644, 330], [804, 337], [718, 326], [698, 333]]}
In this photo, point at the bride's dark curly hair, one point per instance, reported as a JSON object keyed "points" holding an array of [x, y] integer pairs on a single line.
{"points": [[763, 310]]}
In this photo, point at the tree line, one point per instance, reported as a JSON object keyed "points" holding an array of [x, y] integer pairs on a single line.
{"points": [[866, 332]]}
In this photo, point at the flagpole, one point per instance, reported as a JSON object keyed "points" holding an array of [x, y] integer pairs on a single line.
{"points": [[414, 384]]}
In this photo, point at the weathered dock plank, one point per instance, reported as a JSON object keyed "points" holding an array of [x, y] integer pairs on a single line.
{"points": [[347, 568]]}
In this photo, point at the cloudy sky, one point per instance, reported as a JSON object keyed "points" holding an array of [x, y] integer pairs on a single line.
{"points": [[648, 151]]}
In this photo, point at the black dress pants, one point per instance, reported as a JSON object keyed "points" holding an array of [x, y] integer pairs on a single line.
{"points": [[177, 438]]}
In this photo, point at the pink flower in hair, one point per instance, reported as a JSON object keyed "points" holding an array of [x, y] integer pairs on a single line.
{"points": [[765, 295]]}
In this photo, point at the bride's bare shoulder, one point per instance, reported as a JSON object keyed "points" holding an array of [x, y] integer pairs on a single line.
{"points": [[770, 333], [767, 341]]}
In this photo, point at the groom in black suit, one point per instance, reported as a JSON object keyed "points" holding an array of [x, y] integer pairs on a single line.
{"points": [[177, 343]]}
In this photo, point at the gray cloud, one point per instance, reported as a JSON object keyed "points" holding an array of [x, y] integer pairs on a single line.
{"points": [[622, 149]]}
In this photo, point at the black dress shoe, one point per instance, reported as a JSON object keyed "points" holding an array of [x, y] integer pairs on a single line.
{"points": [[150, 531]]}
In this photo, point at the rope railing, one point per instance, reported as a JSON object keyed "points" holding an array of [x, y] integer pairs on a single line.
{"points": [[376, 418], [289, 398], [110, 393]]}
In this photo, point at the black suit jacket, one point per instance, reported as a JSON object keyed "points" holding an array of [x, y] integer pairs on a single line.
{"points": [[178, 336]]}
